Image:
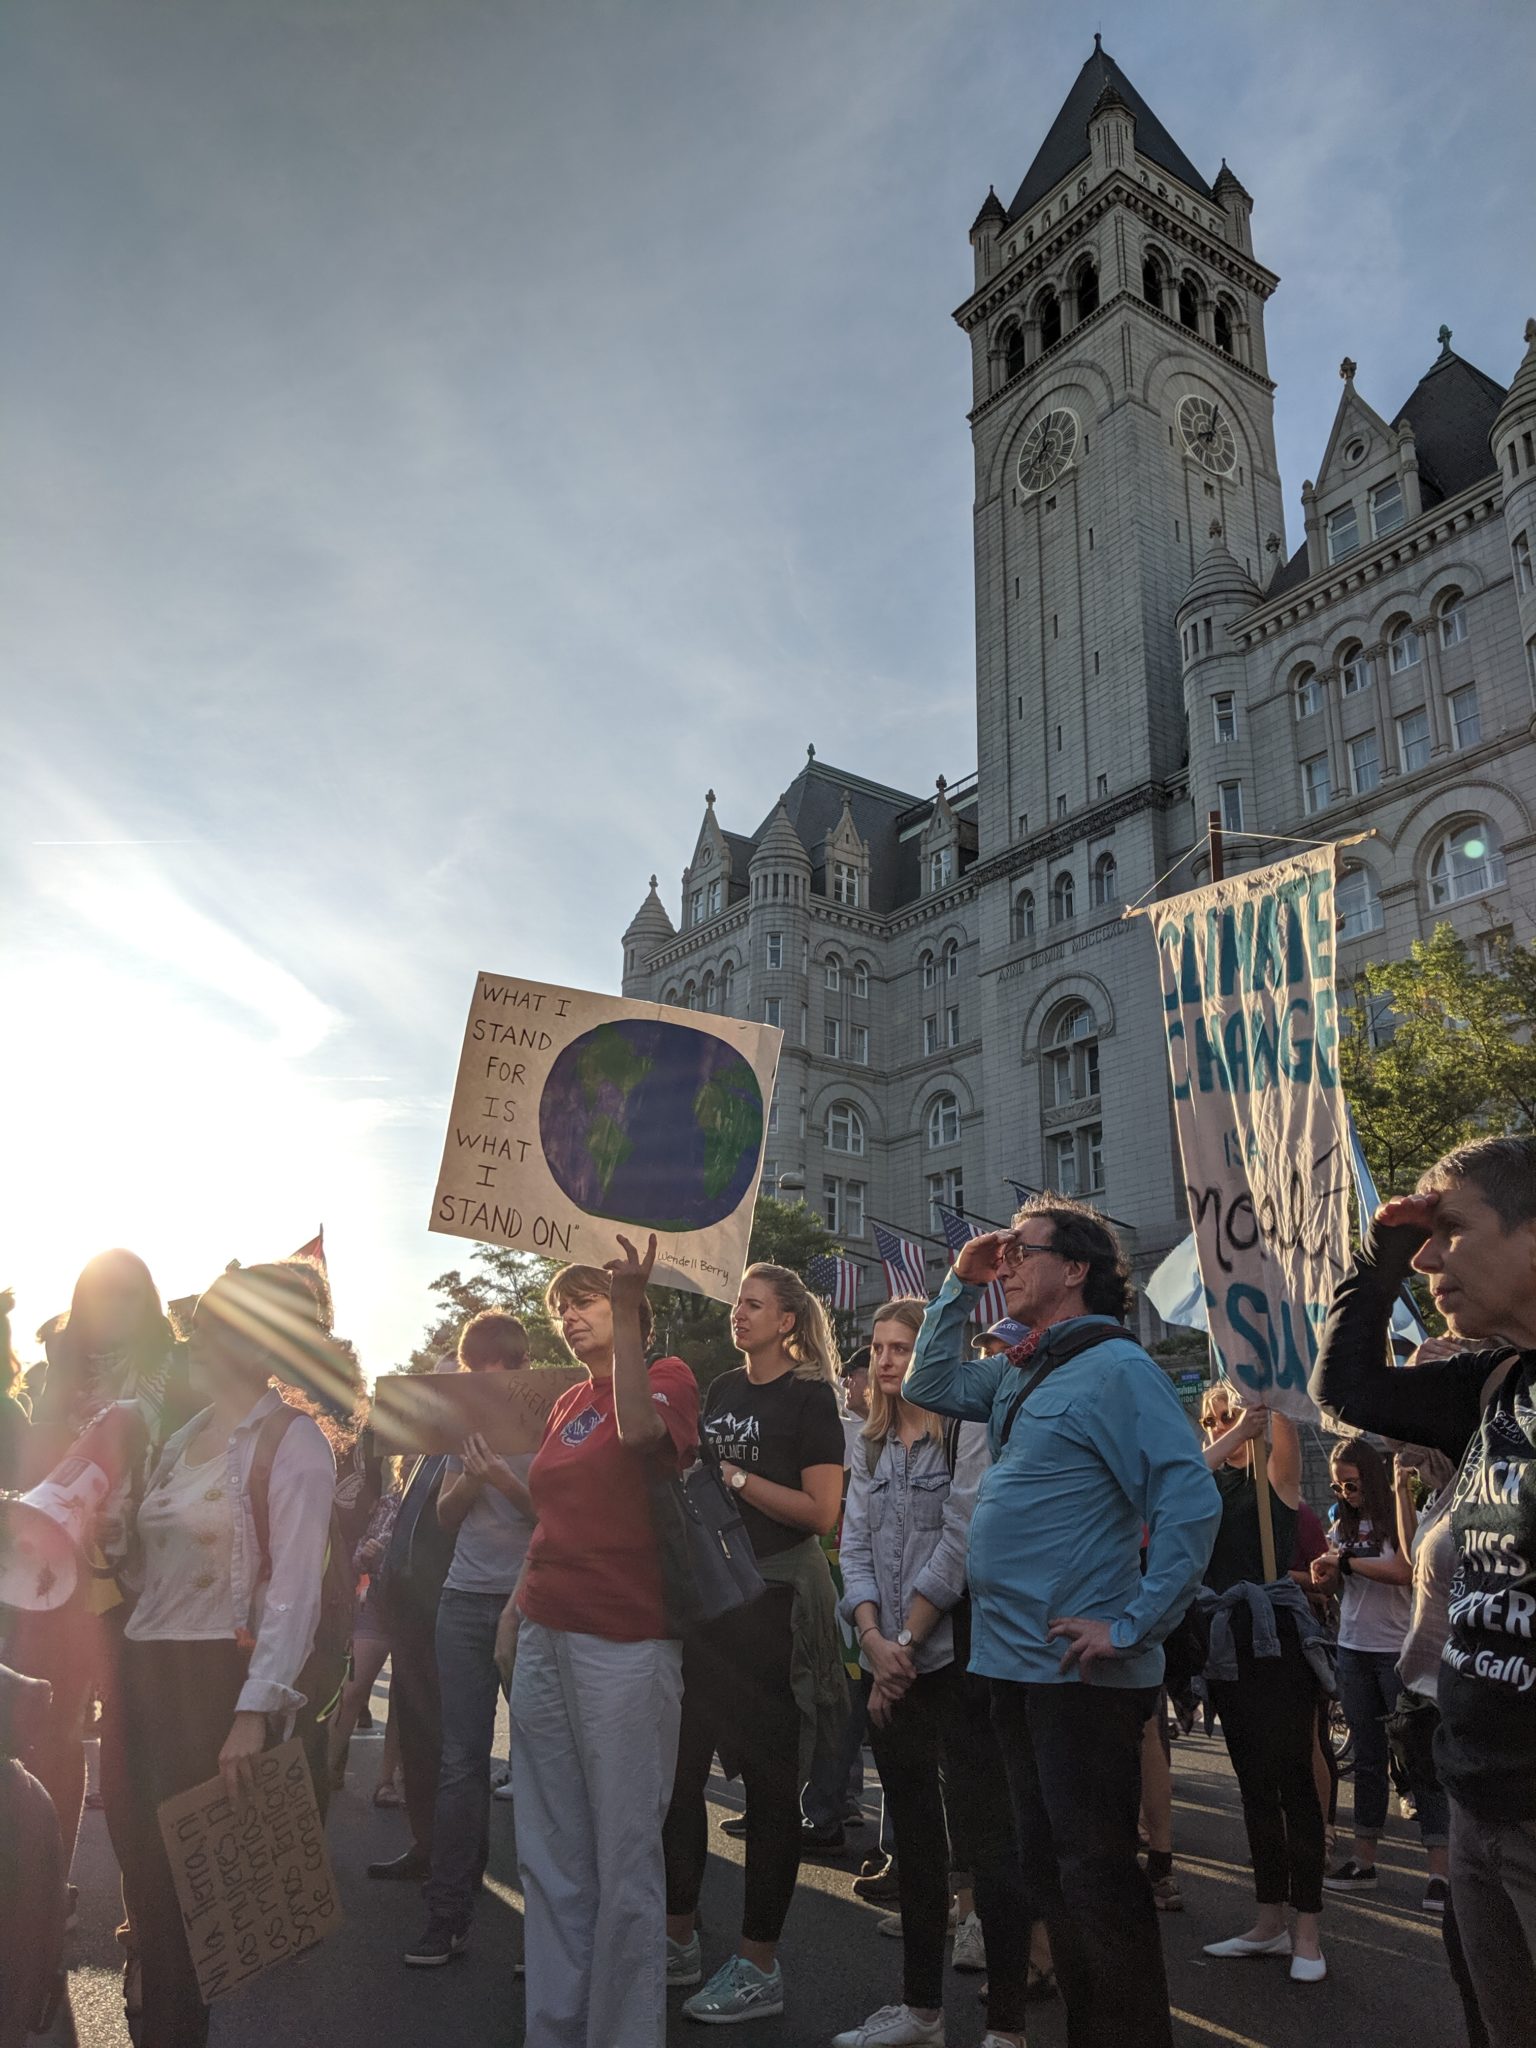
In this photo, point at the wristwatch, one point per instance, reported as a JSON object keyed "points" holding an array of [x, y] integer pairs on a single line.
{"points": [[738, 1480], [904, 1639], [1345, 1567]]}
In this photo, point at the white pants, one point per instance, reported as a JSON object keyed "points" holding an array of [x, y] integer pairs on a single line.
{"points": [[593, 1754]]}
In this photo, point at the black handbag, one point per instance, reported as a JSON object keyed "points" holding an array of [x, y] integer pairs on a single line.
{"points": [[708, 1566]]}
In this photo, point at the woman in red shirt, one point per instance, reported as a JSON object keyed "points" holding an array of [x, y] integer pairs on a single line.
{"points": [[597, 1687]]}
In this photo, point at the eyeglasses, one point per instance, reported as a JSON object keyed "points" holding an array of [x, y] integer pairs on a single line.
{"points": [[1015, 1254], [1349, 1486]]}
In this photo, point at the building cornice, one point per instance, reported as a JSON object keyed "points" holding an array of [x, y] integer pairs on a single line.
{"points": [[1044, 846], [1330, 586]]}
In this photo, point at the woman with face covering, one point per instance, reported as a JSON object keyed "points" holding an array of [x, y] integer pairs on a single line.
{"points": [[216, 1644]]}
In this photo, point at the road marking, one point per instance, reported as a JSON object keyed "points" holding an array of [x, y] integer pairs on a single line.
{"points": [[1219, 2033]]}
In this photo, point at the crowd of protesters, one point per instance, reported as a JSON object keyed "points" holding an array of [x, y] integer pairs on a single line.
{"points": [[1003, 1557]]}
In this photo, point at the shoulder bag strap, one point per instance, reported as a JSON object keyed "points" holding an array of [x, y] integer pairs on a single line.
{"points": [[1058, 1354], [259, 1485]]}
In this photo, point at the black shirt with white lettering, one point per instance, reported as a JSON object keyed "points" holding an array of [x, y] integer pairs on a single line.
{"points": [[1485, 1750], [776, 1430]]}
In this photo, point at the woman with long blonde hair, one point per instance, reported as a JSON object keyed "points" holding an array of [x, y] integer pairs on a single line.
{"points": [[763, 1685]]}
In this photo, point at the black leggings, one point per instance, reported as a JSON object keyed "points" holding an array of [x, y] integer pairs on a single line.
{"points": [[1269, 1717], [945, 1717], [736, 1699]]}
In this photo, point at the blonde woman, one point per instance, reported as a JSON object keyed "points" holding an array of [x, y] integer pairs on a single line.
{"points": [[911, 1490], [774, 1427]]}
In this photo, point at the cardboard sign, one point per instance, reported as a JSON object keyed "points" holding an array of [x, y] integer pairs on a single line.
{"points": [[253, 1878], [578, 1116], [435, 1411], [1253, 1039]]}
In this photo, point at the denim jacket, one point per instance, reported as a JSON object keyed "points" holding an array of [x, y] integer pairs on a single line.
{"points": [[282, 1613], [905, 1529]]}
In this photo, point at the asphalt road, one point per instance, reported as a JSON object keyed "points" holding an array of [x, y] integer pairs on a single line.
{"points": [[1387, 1980]]}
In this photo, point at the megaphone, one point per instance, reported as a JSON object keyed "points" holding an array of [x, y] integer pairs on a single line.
{"points": [[44, 1533]]}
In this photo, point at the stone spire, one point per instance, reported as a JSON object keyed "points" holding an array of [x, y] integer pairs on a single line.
{"points": [[650, 928]]}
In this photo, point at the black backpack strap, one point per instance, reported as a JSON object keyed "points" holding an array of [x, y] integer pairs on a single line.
{"points": [[1057, 1354], [952, 1443], [259, 1485]]}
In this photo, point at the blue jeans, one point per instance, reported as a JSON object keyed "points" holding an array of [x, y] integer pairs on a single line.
{"points": [[467, 1680], [1368, 1691]]}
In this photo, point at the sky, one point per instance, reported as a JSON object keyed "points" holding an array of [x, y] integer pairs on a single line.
{"points": [[440, 438]]}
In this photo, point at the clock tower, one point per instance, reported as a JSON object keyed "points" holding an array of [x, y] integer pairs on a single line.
{"points": [[1122, 408]]}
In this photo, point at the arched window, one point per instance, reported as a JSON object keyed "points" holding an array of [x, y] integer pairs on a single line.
{"points": [[1105, 879], [1221, 325], [1024, 914], [1354, 669], [1152, 282], [834, 972], [1357, 903], [930, 970], [860, 978], [1072, 1056], [1189, 303], [951, 959], [1452, 614], [1087, 289], [1012, 349], [670, 998], [1049, 315], [709, 990], [845, 1130], [1467, 862], [727, 985], [1063, 899], [1405, 650], [943, 1122], [1308, 687], [690, 995]]}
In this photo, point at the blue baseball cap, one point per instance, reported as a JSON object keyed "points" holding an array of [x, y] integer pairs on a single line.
{"points": [[1007, 1333]]}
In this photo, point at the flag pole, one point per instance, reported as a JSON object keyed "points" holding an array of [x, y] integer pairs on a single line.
{"points": [[1260, 1444]]}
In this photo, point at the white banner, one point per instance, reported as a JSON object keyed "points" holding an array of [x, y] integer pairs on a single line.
{"points": [[1253, 1038], [577, 1116]]}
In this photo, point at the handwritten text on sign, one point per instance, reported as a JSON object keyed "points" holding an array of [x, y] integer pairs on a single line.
{"points": [[252, 1877], [1253, 1035], [577, 1116]]}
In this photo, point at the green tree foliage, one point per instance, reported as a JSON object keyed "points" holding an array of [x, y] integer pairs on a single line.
{"points": [[687, 1325], [1454, 1058]]}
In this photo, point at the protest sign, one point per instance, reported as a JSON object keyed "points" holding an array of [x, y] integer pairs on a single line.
{"points": [[1253, 1035], [577, 1116], [253, 1878], [415, 1411]]}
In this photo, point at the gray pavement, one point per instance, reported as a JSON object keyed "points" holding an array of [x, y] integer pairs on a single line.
{"points": [[1387, 1983]]}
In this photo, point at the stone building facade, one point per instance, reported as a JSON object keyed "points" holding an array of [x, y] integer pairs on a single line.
{"points": [[963, 1002]]}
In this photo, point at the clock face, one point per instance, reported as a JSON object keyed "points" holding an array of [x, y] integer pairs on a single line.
{"points": [[1048, 450], [1207, 435]]}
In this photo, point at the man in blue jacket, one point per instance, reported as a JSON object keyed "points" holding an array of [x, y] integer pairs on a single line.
{"points": [[1091, 1448]]}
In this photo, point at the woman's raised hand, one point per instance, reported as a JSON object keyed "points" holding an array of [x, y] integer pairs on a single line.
{"points": [[631, 1275], [1405, 1210]]}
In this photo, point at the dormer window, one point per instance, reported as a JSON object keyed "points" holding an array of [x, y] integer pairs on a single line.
{"points": [[1343, 529], [713, 899], [1389, 509], [845, 884], [941, 867]]}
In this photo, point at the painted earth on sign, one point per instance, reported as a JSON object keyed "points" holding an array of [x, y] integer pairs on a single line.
{"points": [[651, 1123]]}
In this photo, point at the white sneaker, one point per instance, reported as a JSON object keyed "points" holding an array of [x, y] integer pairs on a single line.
{"points": [[894, 2026], [970, 1950]]}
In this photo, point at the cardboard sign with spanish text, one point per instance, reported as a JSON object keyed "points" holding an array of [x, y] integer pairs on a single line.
{"points": [[253, 1877], [579, 1116], [1253, 1039], [435, 1411]]}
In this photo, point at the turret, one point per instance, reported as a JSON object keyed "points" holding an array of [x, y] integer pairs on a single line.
{"points": [[649, 930], [1513, 441], [985, 229], [1221, 774], [1237, 205], [1112, 133]]}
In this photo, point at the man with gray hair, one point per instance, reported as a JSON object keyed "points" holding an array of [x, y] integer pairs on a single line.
{"points": [[1471, 1230]]}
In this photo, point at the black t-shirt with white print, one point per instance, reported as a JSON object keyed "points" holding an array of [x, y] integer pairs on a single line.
{"points": [[774, 1430]]}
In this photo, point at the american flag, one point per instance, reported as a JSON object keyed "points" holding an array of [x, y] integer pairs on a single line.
{"points": [[993, 1305], [906, 1267], [314, 1251], [836, 1280], [1021, 1194]]}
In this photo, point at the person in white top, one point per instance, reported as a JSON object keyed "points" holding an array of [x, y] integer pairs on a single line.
{"points": [[217, 1642], [1365, 1566]]}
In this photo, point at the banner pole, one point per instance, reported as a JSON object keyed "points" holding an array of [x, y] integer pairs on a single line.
{"points": [[1260, 1444]]}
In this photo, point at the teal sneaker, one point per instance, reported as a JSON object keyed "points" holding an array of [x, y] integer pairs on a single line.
{"points": [[685, 1962], [737, 1991]]}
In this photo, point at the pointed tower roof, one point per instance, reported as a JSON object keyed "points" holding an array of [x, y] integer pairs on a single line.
{"points": [[1220, 576], [1227, 180], [1522, 392], [1066, 145], [991, 210], [651, 921], [779, 843]]}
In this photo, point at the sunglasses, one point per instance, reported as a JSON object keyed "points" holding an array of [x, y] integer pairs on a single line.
{"points": [[1349, 1486]]}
